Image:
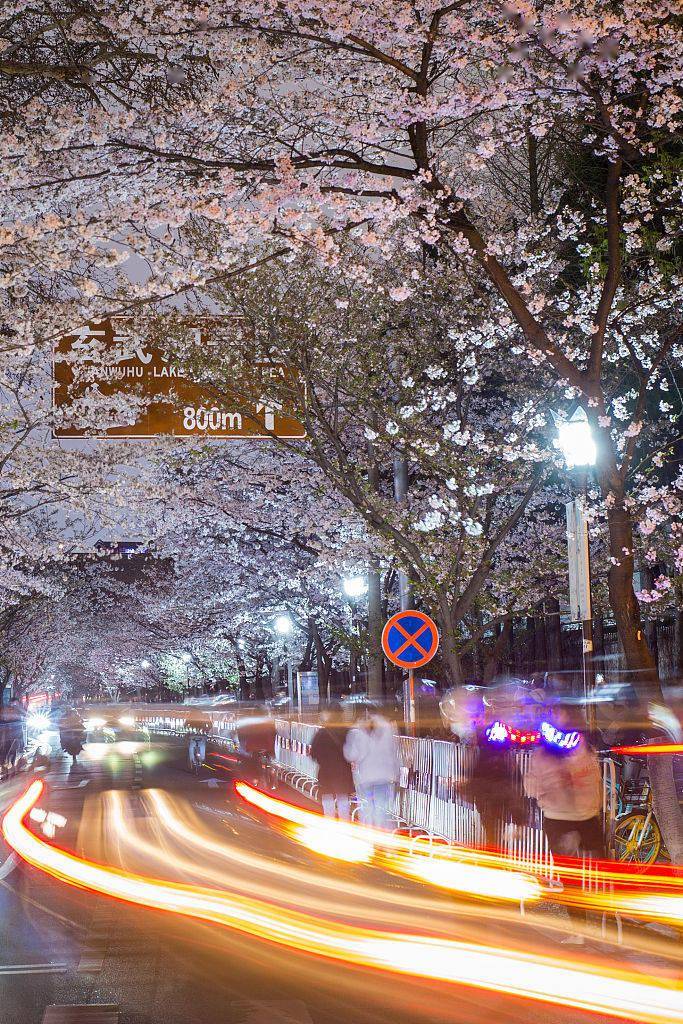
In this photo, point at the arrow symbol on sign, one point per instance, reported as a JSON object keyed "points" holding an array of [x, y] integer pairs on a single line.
{"points": [[269, 412]]}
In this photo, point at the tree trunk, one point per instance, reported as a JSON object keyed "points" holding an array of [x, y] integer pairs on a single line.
{"points": [[665, 803], [642, 670], [242, 679], [639, 659], [450, 653], [499, 651], [375, 658], [678, 644], [553, 634], [322, 662], [540, 650]]}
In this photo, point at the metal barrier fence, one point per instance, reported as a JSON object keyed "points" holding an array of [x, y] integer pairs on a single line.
{"points": [[432, 774]]}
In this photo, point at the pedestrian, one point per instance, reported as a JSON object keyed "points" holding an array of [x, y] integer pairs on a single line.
{"points": [[371, 748], [257, 735], [564, 779], [72, 734], [335, 779], [492, 786]]}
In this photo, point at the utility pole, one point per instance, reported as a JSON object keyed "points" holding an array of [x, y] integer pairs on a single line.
{"points": [[580, 599], [405, 592]]}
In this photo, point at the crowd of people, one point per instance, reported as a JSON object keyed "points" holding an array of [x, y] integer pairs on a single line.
{"points": [[562, 778]]}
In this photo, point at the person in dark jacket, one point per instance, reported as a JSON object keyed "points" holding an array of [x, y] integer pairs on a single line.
{"points": [[335, 780], [493, 790], [72, 734]]}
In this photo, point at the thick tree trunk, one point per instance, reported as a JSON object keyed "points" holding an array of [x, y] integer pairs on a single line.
{"points": [[553, 634], [375, 657], [540, 650], [665, 803], [678, 644], [640, 662], [242, 679], [322, 661], [499, 652], [449, 648], [642, 671]]}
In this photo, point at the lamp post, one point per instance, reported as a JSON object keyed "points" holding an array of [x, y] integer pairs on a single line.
{"points": [[284, 626], [576, 442], [355, 587]]}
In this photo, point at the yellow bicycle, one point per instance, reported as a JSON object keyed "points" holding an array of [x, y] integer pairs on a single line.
{"points": [[636, 838]]}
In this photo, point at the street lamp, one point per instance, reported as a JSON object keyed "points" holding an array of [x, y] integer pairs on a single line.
{"points": [[355, 586], [575, 441], [283, 625]]}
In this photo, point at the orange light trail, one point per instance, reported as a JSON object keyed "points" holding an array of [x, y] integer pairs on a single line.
{"points": [[643, 750], [616, 993], [484, 874]]}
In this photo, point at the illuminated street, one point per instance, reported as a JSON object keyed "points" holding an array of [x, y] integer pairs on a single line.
{"points": [[246, 902], [341, 512]]}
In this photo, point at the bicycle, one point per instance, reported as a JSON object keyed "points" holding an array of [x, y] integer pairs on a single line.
{"points": [[636, 838], [196, 753]]}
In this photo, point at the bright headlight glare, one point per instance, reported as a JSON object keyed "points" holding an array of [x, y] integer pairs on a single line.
{"points": [[38, 723]]}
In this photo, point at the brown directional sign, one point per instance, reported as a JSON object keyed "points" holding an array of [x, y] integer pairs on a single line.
{"points": [[110, 381]]}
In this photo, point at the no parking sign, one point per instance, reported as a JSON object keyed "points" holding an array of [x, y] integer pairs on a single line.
{"points": [[410, 639]]}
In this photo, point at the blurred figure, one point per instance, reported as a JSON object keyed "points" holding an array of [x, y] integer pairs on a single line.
{"points": [[371, 748], [463, 712], [199, 726], [492, 787], [11, 730], [72, 734], [335, 780], [564, 779], [256, 737]]}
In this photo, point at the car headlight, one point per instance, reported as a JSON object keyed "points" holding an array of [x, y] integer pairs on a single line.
{"points": [[38, 723], [95, 723]]}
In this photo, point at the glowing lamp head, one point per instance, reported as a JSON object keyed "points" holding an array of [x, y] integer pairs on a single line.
{"points": [[575, 440], [355, 586], [283, 625]]}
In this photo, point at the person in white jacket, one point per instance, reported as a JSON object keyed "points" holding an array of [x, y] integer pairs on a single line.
{"points": [[372, 749]]}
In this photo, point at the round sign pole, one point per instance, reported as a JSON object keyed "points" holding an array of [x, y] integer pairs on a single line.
{"points": [[409, 702]]}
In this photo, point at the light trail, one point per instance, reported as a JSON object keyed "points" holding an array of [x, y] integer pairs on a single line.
{"points": [[484, 874], [644, 750], [570, 984]]}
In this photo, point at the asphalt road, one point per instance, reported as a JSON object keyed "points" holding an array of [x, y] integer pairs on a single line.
{"points": [[60, 945]]}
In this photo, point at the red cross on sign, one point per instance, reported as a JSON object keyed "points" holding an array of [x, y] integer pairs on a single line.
{"points": [[410, 639]]}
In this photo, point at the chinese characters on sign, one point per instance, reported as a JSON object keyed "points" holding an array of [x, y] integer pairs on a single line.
{"points": [[108, 382]]}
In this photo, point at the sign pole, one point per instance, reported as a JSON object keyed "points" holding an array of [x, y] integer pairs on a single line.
{"points": [[409, 704]]}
